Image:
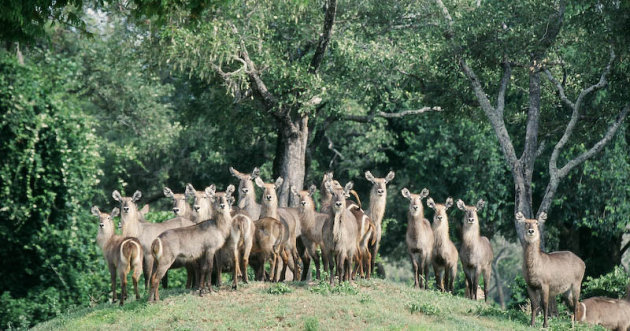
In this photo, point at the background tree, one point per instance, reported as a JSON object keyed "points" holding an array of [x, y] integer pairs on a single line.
{"points": [[536, 44]]}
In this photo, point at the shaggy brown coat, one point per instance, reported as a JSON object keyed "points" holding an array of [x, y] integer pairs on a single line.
{"points": [[419, 238]]}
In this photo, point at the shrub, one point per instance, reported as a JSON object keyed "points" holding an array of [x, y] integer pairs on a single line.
{"points": [[612, 284]]}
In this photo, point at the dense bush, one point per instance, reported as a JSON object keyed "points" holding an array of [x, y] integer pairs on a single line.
{"points": [[48, 176], [613, 284]]}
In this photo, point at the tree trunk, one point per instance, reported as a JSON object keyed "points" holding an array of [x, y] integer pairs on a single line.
{"points": [[290, 159]]}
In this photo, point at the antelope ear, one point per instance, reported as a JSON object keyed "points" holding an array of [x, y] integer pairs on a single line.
{"points": [[234, 172], [230, 200], [116, 195], [278, 182], [348, 187], [424, 193], [259, 182], [329, 187], [431, 203], [294, 191], [449, 203], [136, 196], [369, 176], [255, 173], [145, 209], [210, 190], [405, 193], [312, 189], [168, 193], [389, 177], [520, 217], [190, 190], [95, 211], [115, 212], [480, 204], [461, 205], [542, 217], [229, 190]]}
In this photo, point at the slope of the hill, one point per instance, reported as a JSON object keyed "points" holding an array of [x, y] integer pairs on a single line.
{"points": [[374, 304]]}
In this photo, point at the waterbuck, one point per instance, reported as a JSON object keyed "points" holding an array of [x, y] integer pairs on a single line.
{"points": [[311, 224], [288, 216], [340, 233], [548, 274], [475, 252], [239, 242], [376, 212], [269, 240], [613, 314], [134, 225], [444, 257], [191, 243], [246, 192], [121, 254], [419, 237]]}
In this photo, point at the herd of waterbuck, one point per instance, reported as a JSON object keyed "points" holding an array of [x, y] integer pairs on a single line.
{"points": [[213, 236]]}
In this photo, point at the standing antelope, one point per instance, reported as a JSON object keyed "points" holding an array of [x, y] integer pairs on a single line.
{"points": [[246, 193], [239, 242], [419, 238], [269, 240], [475, 252], [202, 210], [376, 212], [444, 257], [190, 243], [121, 254], [288, 216], [134, 225], [340, 233], [311, 225], [549, 274]]}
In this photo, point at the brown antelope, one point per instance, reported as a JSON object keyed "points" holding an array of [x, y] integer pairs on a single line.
{"points": [[444, 257], [202, 210], [134, 225], [549, 274], [340, 233], [190, 243], [181, 208], [311, 225], [246, 192], [365, 225], [121, 254], [270, 239], [240, 242], [419, 237], [288, 216], [613, 314], [475, 252], [376, 212]]}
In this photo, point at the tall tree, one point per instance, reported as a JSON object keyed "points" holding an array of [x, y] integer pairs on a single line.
{"points": [[266, 51], [530, 35]]}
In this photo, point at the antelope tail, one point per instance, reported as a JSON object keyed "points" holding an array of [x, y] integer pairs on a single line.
{"points": [[356, 196], [156, 248]]}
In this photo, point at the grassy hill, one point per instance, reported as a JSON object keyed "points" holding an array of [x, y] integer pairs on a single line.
{"points": [[374, 304]]}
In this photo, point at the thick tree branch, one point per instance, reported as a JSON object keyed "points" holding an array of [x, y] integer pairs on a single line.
{"points": [[598, 146], [369, 118], [495, 117], [575, 107], [324, 38], [507, 73]]}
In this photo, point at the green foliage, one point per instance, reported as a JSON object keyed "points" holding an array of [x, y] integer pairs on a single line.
{"points": [[26, 20], [311, 324], [279, 288], [49, 174], [519, 297], [613, 284]]}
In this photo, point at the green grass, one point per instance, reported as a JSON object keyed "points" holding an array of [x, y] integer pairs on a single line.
{"points": [[374, 304]]}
